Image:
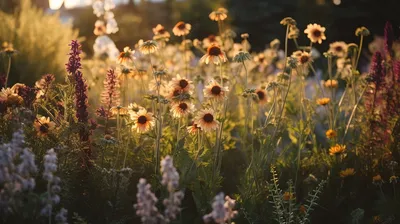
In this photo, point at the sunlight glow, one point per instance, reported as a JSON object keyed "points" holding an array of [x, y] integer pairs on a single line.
{"points": [[55, 4]]}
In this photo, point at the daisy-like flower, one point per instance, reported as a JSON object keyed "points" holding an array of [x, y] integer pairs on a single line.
{"points": [[206, 120], [214, 54], [181, 29], [323, 101], [219, 14], [126, 56], [124, 72], [181, 83], [330, 133], [347, 172], [144, 121], [193, 129], [181, 109], [43, 126], [393, 179], [99, 28], [261, 95], [160, 32], [303, 58], [362, 31], [215, 91], [148, 47], [288, 21], [331, 83], [315, 32], [337, 149], [338, 49], [8, 48], [10, 97]]}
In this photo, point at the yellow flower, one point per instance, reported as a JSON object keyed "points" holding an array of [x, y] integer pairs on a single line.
{"points": [[330, 134], [331, 83], [338, 49], [215, 91], [126, 56], [347, 172], [219, 15], [315, 32], [323, 101], [181, 29], [288, 21], [144, 121], [43, 126], [337, 149], [148, 47], [206, 120], [214, 54], [293, 32]]}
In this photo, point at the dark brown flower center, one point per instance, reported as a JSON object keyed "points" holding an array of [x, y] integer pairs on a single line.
{"points": [[339, 48], [214, 51], [317, 33], [142, 119], [181, 25], [183, 106], [212, 38], [304, 59], [44, 128], [216, 90], [208, 118], [161, 31], [183, 83], [176, 92], [260, 95]]}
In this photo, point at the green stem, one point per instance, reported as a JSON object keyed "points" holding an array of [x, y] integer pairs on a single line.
{"points": [[359, 51], [353, 113], [8, 71]]}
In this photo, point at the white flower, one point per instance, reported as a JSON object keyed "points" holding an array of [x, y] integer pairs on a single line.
{"points": [[109, 5], [112, 26], [98, 8], [103, 45]]}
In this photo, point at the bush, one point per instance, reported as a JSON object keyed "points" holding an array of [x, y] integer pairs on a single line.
{"points": [[41, 40]]}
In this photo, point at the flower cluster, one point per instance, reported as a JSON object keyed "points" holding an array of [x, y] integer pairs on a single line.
{"points": [[223, 210], [17, 166], [53, 182]]}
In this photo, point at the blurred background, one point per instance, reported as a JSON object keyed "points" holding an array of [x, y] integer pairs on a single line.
{"points": [[259, 18]]}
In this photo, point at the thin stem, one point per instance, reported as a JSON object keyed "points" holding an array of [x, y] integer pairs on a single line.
{"points": [[8, 71], [353, 113], [359, 51]]}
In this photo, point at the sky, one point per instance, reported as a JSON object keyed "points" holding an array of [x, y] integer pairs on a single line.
{"points": [[56, 4]]}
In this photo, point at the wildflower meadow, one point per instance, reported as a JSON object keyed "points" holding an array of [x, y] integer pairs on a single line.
{"points": [[180, 129]]}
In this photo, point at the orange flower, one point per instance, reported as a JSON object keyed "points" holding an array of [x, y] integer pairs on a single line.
{"points": [[193, 129], [323, 101], [214, 54], [337, 149], [182, 84], [331, 83], [181, 29], [330, 134], [288, 196]]}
